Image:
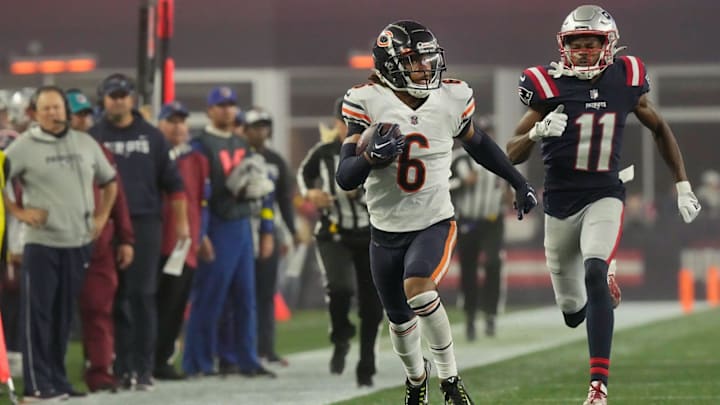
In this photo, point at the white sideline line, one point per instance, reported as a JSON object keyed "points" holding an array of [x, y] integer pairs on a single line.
{"points": [[308, 382]]}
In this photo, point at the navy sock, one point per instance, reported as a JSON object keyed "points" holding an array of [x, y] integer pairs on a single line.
{"points": [[600, 319]]}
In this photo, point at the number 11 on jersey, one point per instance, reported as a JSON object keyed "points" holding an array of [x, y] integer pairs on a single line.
{"points": [[586, 122]]}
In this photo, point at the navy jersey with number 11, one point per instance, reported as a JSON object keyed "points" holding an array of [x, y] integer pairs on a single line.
{"points": [[581, 166]]}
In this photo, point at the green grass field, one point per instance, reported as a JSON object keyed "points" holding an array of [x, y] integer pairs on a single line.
{"points": [[306, 330], [671, 362]]}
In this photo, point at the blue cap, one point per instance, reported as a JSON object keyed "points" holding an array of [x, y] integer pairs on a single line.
{"points": [[116, 82], [78, 102], [173, 108], [222, 95]]}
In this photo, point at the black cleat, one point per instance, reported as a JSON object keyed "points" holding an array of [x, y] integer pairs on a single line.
{"points": [[168, 372], [337, 362], [418, 394], [258, 372], [454, 392]]}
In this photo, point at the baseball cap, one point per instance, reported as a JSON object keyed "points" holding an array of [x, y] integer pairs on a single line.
{"points": [[173, 108], [78, 101], [221, 95], [116, 82], [257, 116]]}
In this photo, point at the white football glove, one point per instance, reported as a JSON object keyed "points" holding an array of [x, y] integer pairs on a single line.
{"points": [[250, 178], [551, 126], [688, 204]]}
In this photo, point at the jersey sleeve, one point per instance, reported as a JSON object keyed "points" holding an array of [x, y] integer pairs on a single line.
{"points": [[635, 75], [536, 88], [354, 110], [464, 100]]}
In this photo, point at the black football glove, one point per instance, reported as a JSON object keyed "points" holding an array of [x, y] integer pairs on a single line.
{"points": [[525, 200], [386, 144]]}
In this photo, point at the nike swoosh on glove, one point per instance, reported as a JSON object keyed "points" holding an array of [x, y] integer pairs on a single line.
{"points": [[525, 200], [552, 125], [688, 204], [387, 143]]}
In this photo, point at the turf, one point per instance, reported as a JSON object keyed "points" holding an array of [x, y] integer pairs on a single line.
{"points": [[669, 362]]}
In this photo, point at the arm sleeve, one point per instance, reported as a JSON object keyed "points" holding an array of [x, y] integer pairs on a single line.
{"points": [[488, 154], [309, 170], [104, 169], [352, 170], [168, 176], [284, 196]]}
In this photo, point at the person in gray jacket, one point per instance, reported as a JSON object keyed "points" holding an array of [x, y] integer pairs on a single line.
{"points": [[56, 166]]}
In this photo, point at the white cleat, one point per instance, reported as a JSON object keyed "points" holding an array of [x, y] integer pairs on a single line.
{"points": [[597, 394], [615, 293]]}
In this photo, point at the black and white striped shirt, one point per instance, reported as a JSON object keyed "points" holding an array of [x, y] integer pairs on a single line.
{"points": [[482, 200], [317, 170]]}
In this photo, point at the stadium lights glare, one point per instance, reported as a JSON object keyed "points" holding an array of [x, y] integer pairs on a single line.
{"points": [[29, 66]]}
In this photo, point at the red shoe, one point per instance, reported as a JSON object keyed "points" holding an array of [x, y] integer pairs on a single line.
{"points": [[597, 394], [615, 293]]}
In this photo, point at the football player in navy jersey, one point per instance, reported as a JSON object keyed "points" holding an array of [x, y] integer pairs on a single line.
{"points": [[577, 112]]}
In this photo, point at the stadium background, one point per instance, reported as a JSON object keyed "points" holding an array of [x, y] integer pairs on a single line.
{"points": [[292, 58]]}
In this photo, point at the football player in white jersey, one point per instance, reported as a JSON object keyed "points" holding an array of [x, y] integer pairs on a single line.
{"points": [[406, 170]]}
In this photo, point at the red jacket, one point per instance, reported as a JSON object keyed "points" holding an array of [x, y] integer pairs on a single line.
{"points": [[195, 173], [119, 226]]}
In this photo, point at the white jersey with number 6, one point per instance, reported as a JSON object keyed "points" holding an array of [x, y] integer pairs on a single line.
{"points": [[413, 192]]}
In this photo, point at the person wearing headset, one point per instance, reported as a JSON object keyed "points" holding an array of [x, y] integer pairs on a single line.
{"points": [[57, 166]]}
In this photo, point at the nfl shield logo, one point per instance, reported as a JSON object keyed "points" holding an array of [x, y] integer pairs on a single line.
{"points": [[594, 94], [414, 120]]}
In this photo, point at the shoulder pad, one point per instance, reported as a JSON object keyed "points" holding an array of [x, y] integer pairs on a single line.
{"points": [[536, 85], [634, 71]]}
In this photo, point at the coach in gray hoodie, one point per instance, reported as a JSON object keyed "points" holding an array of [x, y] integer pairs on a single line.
{"points": [[56, 167]]}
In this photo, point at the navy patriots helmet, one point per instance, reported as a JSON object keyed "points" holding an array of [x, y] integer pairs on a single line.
{"points": [[406, 47]]}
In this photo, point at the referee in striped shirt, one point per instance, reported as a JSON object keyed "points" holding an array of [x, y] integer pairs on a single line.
{"points": [[343, 238], [479, 198]]}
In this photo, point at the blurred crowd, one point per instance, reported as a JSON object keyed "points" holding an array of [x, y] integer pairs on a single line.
{"points": [[173, 218]]}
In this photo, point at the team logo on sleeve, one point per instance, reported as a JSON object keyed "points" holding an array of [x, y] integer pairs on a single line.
{"points": [[525, 95]]}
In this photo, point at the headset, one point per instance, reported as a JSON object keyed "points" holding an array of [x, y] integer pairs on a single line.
{"points": [[50, 89], [75, 164]]}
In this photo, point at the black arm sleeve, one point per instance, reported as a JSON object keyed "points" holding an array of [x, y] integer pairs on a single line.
{"points": [[486, 152], [284, 197], [353, 170]]}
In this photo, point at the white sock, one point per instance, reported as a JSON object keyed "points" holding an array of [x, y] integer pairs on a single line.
{"points": [[405, 339], [436, 330]]}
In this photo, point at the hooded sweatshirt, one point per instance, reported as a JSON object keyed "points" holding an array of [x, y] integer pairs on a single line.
{"points": [[57, 174]]}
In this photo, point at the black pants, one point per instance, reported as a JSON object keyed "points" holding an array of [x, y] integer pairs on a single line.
{"points": [[135, 306], [172, 297], [344, 262], [52, 278], [475, 237], [266, 273]]}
